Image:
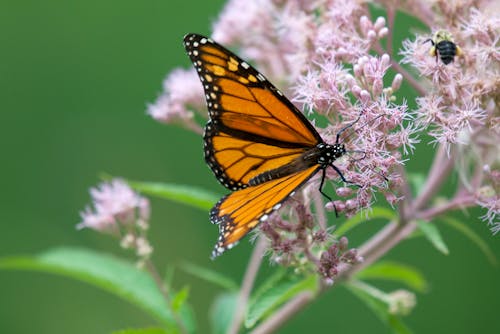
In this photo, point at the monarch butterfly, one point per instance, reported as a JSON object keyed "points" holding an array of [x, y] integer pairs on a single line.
{"points": [[256, 142]]}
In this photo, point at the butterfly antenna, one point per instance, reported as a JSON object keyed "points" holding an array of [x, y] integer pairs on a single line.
{"points": [[345, 128], [357, 151], [351, 124]]}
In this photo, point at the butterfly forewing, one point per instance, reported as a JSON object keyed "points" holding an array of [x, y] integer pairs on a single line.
{"points": [[242, 103]]}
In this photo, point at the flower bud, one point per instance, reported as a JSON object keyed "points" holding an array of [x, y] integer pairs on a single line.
{"points": [[379, 23], [365, 24], [383, 32], [396, 82]]}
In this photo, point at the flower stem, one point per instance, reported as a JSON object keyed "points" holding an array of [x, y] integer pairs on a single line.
{"points": [[246, 286], [284, 313], [166, 295]]}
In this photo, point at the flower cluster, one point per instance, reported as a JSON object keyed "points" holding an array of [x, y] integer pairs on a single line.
{"points": [[460, 108], [302, 243], [119, 211], [327, 56]]}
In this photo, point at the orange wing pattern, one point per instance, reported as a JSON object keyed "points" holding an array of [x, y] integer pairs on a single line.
{"points": [[239, 212], [253, 129], [243, 104]]}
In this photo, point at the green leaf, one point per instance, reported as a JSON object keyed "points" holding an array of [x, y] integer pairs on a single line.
{"points": [[144, 331], [277, 295], [393, 271], [221, 312], [376, 301], [432, 234], [268, 284], [180, 298], [114, 275], [210, 276], [193, 196], [376, 213], [472, 236]]}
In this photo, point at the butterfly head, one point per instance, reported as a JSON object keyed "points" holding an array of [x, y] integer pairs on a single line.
{"points": [[329, 153]]}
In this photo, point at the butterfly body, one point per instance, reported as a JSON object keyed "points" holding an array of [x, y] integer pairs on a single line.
{"points": [[322, 155], [256, 142]]}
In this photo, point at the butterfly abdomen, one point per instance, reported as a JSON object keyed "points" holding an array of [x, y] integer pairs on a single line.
{"points": [[322, 155]]}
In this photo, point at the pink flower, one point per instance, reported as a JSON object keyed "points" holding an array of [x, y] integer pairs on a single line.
{"points": [[121, 212], [181, 95], [115, 203]]}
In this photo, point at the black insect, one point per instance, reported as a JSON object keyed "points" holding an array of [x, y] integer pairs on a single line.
{"points": [[444, 47]]}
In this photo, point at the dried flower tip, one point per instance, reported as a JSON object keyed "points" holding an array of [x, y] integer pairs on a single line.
{"points": [[343, 243], [320, 236], [401, 302], [144, 249], [142, 224], [329, 281], [128, 241], [485, 192]]}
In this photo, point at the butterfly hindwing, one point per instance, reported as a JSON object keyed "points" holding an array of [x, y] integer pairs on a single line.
{"points": [[239, 212]]}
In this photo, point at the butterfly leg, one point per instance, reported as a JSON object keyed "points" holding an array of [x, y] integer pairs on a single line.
{"points": [[345, 128], [342, 176], [321, 186], [324, 194]]}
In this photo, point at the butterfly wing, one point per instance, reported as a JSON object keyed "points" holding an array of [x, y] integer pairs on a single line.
{"points": [[253, 128], [239, 212]]}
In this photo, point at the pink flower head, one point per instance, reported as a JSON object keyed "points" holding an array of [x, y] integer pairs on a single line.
{"points": [[181, 95], [115, 203]]}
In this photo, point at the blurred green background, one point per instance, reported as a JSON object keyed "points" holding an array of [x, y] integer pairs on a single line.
{"points": [[75, 78]]}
